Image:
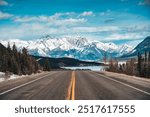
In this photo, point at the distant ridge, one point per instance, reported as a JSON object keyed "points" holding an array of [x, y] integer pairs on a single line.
{"points": [[57, 63], [140, 48], [73, 47]]}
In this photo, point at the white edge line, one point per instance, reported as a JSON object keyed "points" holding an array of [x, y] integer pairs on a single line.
{"points": [[7, 91], [145, 92]]}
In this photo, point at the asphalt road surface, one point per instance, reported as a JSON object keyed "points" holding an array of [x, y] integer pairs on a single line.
{"points": [[74, 85]]}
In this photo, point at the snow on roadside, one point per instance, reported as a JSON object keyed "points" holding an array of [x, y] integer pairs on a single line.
{"points": [[2, 76], [12, 77]]}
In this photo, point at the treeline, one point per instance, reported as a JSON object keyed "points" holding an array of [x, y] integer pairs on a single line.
{"points": [[17, 62], [143, 65], [139, 66]]}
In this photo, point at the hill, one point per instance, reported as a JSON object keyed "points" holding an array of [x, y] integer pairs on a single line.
{"points": [[57, 63]]}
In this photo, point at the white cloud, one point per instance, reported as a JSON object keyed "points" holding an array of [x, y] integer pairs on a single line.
{"points": [[5, 15], [105, 33], [69, 21], [110, 33], [40, 29], [55, 19], [96, 29], [144, 2], [87, 13], [42, 18], [32, 30], [106, 13], [51, 20], [56, 15], [26, 31], [127, 36], [24, 19], [2, 2], [137, 28], [141, 3]]}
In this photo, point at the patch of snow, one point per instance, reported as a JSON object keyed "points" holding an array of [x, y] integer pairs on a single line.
{"points": [[2, 76], [76, 47], [12, 77]]}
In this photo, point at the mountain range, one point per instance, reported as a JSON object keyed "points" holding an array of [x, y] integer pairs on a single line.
{"points": [[141, 48], [72, 47]]}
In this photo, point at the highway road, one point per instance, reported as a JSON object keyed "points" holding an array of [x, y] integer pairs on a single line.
{"points": [[74, 85]]}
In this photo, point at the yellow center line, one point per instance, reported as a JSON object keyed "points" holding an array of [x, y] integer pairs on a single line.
{"points": [[71, 88]]}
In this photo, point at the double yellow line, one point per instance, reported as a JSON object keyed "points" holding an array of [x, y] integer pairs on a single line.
{"points": [[71, 88]]}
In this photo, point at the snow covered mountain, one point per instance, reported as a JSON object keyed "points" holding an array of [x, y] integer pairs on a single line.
{"points": [[74, 47], [141, 48]]}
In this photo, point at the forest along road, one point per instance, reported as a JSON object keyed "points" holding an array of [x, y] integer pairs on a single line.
{"points": [[74, 85]]}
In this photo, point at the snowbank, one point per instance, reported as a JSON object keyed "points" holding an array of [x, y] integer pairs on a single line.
{"points": [[2, 76], [12, 77]]}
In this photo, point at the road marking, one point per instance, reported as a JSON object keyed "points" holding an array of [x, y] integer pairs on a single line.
{"points": [[145, 92], [71, 88], [12, 89]]}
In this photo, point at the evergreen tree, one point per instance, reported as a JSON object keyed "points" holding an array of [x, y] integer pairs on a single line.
{"points": [[46, 65], [139, 63], [130, 67], [149, 65], [145, 65], [15, 52], [15, 67], [9, 48], [149, 57], [105, 57], [24, 52], [18, 62]]}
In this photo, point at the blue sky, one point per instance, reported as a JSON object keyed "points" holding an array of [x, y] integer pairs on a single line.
{"points": [[116, 21]]}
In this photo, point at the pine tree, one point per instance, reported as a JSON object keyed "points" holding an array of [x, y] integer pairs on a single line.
{"points": [[35, 65], [24, 51], [145, 56], [130, 70], [148, 65], [24, 61], [139, 63], [5, 66], [145, 65], [105, 57], [16, 62], [15, 52], [15, 67], [9, 48], [46, 65], [149, 57]]}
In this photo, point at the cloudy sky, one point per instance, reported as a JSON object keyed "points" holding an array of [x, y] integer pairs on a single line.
{"points": [[117, 21]]}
